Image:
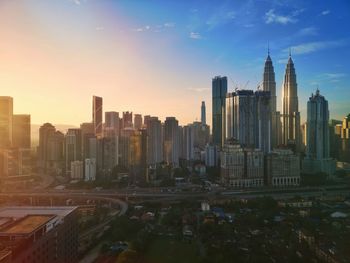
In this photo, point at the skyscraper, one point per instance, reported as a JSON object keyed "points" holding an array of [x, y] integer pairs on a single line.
{"points": [[290, 111], [203, 114], [171, 141], [73, 147], [21, 131], [6, 112], [155, 143], [345, 139], [219, 90], [127, 119], [269, 84], [317, 142], [137, 121], [45, 132], [97, 111], [111, 127]]}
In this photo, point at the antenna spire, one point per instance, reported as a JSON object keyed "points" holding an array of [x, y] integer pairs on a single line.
{"points": [[268, 48], [290, 51]]}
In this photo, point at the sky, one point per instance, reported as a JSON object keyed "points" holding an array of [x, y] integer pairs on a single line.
{"points": [[158, 57]]}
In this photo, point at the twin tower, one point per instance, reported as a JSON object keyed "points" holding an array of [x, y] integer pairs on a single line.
{"points": [[251, 118], [285, 126]]}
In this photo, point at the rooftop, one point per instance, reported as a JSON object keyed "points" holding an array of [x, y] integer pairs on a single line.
{"points": [[27, 225], [22, 211]]}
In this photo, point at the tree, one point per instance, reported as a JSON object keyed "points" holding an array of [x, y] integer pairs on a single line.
{"points": [[128, 256]]}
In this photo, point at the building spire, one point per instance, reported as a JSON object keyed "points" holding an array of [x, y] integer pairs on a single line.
{"points": [[290, 52], [268, 48]]}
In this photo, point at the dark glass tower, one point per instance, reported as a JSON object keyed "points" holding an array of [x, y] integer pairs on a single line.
{"points": [[219, 90]]}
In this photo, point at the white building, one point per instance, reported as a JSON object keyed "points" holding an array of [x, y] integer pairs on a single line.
{"points": [[90, 169], [77, 170]]}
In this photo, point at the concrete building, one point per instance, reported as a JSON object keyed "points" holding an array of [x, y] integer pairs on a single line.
{"points": [[15, 162], [290, 110], [241, 167], [21, 131], [219, 90], [40, 234], [6, 113], [90, 169], [97, 115], [282, 168], [112, 126], [345, 140], [77, 170], [317, 143]]}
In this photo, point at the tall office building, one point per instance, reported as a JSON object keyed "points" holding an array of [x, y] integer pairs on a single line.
{"points": [[269, 84], [290, 111], [155, 143], [73, 147], [219, 90], [21, 131], [137, 121], [6, 113], [97, 111], [112, 123], [317, 143], [45, 132], [203, 114], [188, 142], [171, 141]]}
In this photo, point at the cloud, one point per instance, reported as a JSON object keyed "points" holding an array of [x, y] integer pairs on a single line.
{"points": [[307, 31], [271, 17], [99, 28], [219, 18], [325, 12], [311, 47], [195, 35], [249, 25], [198, 89], [77, 2], [169, 24]]}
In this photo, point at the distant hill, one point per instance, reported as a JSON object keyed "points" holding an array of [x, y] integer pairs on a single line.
{"points": [[35, 131]]}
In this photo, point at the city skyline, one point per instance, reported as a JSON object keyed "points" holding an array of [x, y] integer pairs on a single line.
{"points": [[119, 45]]}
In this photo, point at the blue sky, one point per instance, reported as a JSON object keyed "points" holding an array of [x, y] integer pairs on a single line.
{"points": [[164, 53], [231, 38]]}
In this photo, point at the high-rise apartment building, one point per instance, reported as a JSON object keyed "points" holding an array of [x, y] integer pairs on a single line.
{"points": [[137, 121], [112, 126], [127, 119], [97, 112], [21, 131], [6, 113], [290, 110], [219, 90], [345, 139]]}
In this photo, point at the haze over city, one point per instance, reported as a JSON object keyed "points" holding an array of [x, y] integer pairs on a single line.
{"points": [[56, 54]]}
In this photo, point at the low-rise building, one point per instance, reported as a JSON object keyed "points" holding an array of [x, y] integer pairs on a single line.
{"points": [[282, 168]]}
